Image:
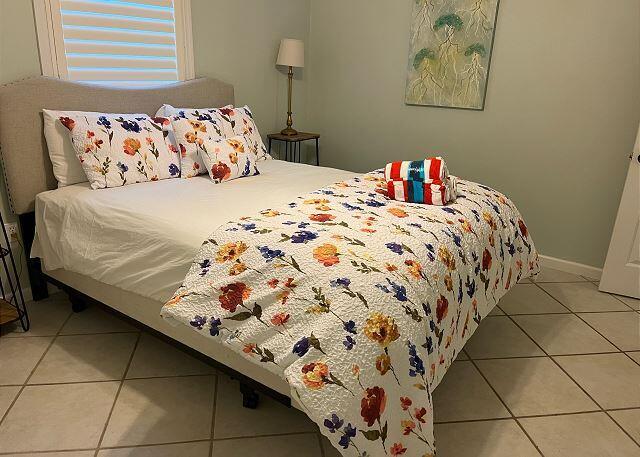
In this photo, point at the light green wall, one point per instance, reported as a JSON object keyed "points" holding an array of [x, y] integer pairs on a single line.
{"points": [[237, 41], [562, 109]]}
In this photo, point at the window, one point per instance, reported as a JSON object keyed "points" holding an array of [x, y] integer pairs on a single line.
{"points": [[125, 43]]}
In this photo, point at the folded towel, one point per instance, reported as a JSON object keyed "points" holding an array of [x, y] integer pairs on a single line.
{"points": [[431, 193], [433, 168]]}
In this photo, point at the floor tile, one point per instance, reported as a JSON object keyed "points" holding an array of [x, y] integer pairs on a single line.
{"points": [[529, 299], [46, 317], [83, 358], [584, 297], [161, 410], [535, 386], [502, 438], [563, 334], [95, 320], [622, 329], [58, 417], [7, 394], [635, 355], [629, 419], [154, 357], [464, 395], [199, 449], [461, 356], [633, 302], [232, 420], [611, 379], [19, 356], [306, 445], [580, 435], [500, 337], [553, 275]]}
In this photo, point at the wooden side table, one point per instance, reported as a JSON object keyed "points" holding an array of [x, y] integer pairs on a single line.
{"points": [[292, 144]]}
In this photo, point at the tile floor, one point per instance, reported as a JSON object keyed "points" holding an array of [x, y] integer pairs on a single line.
{"points": [[554, 371]]}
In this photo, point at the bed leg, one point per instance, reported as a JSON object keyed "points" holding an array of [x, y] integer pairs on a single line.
{"points": [[77, 299], [250, 398]]}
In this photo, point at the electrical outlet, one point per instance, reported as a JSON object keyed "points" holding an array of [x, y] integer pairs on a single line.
{"points": [[12, 232]]}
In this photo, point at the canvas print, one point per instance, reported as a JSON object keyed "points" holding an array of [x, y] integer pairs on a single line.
{"points": [[450, 52]]}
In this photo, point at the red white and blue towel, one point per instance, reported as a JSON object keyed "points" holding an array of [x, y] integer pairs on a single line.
{"points": [[431, 169], [430, 193], [420, 181]]}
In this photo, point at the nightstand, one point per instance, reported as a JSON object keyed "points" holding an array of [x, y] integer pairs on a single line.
{"points": [[292, 144]]}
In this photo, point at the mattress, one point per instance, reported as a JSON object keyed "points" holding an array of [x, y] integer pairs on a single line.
{"points": [[143, 237]]}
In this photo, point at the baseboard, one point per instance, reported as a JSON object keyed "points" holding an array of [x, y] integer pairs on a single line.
{"points": [[571, 267]]}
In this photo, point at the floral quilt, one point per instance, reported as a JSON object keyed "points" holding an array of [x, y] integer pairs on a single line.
{"points": [[360, 302]]}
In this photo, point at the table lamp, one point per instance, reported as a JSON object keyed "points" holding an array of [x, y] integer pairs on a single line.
{"points": [[291, 54]]}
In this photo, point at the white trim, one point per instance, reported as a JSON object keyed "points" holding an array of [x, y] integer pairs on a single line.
{"points": [[184, 39], [45, 35], [51, 39], [570, 267]]}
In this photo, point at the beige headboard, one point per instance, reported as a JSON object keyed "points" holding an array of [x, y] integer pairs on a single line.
{"points": [[25, 158]]}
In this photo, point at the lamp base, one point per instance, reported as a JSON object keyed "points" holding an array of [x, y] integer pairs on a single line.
{"points": [[289, 131]]}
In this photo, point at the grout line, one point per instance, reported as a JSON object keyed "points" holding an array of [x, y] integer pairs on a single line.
{"points": [[567, 373], [111, 380], [622, 301], [265, 435], [542, 356], [45, 452], [24, 384], [115, 398], [495, 392], [213, 414]]}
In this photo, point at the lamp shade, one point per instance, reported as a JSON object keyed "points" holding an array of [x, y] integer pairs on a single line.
{"points": [[291, 53]]}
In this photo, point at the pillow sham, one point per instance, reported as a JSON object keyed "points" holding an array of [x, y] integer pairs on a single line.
{"points": [[191, 127], [242, 123], [119, 149], [228, 158]]}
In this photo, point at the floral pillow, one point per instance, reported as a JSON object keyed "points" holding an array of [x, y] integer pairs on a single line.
{"points": [[228, 158], [119, 149], [192, 127], [242, 123]]}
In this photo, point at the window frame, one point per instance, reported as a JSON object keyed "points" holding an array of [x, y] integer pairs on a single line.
{"points": [[53, 60]]}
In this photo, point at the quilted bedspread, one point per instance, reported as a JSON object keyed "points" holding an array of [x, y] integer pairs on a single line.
{"points": [[360, 302]]}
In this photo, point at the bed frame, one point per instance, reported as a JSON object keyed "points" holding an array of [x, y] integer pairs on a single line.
{"points": [[28, 171]]}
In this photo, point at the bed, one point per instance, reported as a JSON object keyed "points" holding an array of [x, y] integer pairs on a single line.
{"points": [[142, 246]]}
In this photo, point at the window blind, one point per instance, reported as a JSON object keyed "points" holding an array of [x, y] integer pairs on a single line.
{"points": [[128, 43]]}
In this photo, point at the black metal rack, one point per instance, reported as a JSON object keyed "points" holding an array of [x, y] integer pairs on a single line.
{"points": [[12, 305]]}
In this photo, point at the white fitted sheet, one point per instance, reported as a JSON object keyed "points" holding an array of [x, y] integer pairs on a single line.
{"points": [[143, 237]]}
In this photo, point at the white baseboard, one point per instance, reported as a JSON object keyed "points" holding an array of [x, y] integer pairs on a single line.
{"points": [[570, 267]]}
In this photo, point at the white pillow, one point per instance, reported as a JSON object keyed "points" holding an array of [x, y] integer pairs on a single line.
{"points": [[66, 166]]}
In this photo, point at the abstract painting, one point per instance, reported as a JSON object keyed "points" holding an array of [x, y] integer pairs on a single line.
{"points": [[450, 52]]}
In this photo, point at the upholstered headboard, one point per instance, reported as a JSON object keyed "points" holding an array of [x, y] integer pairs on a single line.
{"points": [[25, 157]]}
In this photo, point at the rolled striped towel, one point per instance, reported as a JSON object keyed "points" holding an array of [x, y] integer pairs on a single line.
{"points": [[430, 193], [433, 168]]}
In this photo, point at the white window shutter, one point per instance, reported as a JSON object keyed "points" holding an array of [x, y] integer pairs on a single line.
{"points": [[126, 43]]}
